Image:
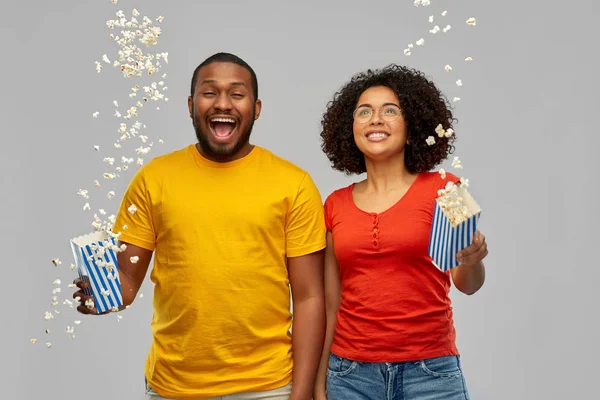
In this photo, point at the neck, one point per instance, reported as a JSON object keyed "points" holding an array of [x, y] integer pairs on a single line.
{"points": [[387, 175], [224, 158]]}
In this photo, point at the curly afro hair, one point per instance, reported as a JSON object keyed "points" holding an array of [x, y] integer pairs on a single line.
{"points": [[423, 106]]}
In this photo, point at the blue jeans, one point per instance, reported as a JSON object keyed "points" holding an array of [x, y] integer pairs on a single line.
{"points": [[438, 378]]}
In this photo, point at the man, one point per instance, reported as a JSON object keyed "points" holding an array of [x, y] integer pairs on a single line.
{"points": [[232, 226]]}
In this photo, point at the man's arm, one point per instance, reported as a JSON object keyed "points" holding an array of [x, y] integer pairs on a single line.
{"points": [[308, 327], [131, 276]]}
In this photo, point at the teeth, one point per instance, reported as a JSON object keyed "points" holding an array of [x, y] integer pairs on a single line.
{"points": [[377, 135], [229, 120]]}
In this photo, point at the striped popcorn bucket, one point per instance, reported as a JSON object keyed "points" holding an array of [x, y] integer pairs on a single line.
{"points": [[446, 239], [96, 264]]}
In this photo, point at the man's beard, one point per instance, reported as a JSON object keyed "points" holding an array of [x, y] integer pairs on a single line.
{"points": [[220, 151]]}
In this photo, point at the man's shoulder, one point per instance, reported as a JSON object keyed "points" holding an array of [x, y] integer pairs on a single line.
{"points": [[282, 165], [162, 163]]}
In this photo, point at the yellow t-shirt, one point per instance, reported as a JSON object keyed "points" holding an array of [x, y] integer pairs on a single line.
{"points": [[221, 233]]}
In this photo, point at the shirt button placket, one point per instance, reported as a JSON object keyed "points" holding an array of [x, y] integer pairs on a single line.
{"points": [[375, 235]]}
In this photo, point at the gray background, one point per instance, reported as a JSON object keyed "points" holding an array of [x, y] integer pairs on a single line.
{"points": [[527, 137]]}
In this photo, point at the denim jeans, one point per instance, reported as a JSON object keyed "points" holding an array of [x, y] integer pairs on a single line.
{"points": [[438, 378]]}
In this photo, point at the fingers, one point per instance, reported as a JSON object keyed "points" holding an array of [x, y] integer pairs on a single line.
{"points": [[474, 253]]}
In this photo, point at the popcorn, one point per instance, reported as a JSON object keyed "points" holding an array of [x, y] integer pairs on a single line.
{"points": [[83, 193], [444, 13], [96, 147], [431, 19], [430, 140], [448, 68], [105, 59], [440, 130], [420, 42], [435, 30], [459, 82], [95, 115], [425, 3], [95, 260], [449, 132], [109, 160], [96, 183], [48, 344], [471, 21], [56, 262], [407, 52], [115, 103], [468, 59], [455, 99], [77, 322], [455, 220], [442, 173], [446, 29], [109, 176], [48, 316], [134, 259], [56, 282], [33, 340], [141, 295], [456, 163], [110, 195], [132, 209]]}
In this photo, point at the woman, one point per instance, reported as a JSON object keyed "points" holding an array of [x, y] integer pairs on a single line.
{"points": [[390, 331]]}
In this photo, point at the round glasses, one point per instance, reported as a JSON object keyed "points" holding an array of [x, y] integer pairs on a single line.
{"points": [[388, 113]]}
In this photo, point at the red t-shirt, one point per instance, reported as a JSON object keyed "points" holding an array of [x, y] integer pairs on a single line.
{"points": [[395, 305]]}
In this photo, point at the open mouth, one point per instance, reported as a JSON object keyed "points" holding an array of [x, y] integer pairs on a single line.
{"points": [[222, 127]]}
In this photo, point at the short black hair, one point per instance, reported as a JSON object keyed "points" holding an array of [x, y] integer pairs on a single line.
{"points": [[226, 58], [423, 108]]}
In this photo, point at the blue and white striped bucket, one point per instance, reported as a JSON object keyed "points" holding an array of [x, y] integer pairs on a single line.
{"points": [[446, 240], [98, 276]]}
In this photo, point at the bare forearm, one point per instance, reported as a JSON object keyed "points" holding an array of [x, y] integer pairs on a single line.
{"points": [[321, 379], [469, 278], [308, 332]]}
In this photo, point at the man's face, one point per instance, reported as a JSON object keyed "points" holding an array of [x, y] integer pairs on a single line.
{"points": [[223, 111]]}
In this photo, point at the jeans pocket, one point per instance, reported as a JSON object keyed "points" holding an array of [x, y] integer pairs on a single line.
{"points": [[442, 367], [339, 366]]}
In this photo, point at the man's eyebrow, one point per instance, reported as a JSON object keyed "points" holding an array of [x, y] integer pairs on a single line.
{"points": [[211, 81]]}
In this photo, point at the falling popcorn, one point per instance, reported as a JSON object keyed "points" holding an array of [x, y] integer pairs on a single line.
{"points": [[33, 340], [440, 130], [469, 59], [115, 103], [407, 52], [449, 132], [96, 147], [448, 68], [89, 303], [95, 115], [442, 173], [420, 42], [48, 344], [132, 209], [134, 259], [431, 19], [456, 163], [435, 30], [446, 29], [109, 176], [444, 13], [110, 195], [56, 262], [430, 140], [459, 82], [141, 295], [83, 193], [48, 316], [56, 282], [455, 99], [471, 21]]}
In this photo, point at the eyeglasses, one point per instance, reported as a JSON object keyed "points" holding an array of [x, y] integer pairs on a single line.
{"points": [[388, 113]]}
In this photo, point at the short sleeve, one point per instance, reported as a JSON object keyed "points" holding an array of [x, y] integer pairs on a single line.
{"points": [[304, 227], [134, 218], [327, 213]]}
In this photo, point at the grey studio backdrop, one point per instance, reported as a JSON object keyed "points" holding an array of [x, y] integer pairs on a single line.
{"points": [[527, 137]]}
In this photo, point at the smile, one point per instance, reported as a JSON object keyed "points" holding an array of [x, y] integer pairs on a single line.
{"points": [[222, 127], [377, 136]]}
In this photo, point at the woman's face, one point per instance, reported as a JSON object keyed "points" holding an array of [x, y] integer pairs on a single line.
{"points": [[379, 126]]}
